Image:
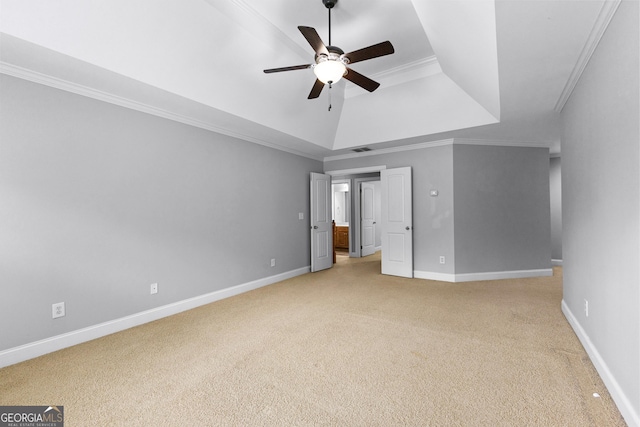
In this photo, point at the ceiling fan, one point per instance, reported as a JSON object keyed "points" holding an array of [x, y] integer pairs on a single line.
{"points": [[331, 61]]}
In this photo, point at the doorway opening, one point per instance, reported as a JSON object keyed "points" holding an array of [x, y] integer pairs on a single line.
{"points": [[356, 212], [396, 218], [341, 215]]}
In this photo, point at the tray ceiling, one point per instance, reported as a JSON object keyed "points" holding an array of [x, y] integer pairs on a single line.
{"points": [[495, 70]]}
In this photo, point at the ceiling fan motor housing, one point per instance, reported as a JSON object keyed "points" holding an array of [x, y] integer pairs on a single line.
{"points": [[329, 4], [335, 53]]}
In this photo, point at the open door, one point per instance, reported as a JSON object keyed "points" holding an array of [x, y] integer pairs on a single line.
{"points": [[396, 222], [367, 219], [321, 226]]}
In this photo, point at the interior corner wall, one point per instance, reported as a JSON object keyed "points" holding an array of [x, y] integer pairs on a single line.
{"points": [[601, 209], [432, 216], [501, 199], [97, 202], [555, 193]]}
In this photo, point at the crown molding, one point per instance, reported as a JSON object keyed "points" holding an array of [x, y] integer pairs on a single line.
{"points": [[609, 7], [440, 143], [404, 73], [356, 171], [67, 86], [431, 63], [399, 149], [503, 143]]}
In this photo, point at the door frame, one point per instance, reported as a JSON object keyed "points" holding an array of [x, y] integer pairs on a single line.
{"points": [[349, 182], [374, 219], [354, 249], [357, 252]]}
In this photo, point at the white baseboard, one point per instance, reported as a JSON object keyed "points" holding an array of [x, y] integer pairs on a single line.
{"points": [[557, 262], [631, 417], [58, 342], [492, 275], [432, 275]]}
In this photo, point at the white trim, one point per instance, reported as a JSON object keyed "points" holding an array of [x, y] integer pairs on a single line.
{"points": [[472, 277], [431, 275], [356, 171], [440, 143], [67, 86], [428, 62], [58, 342], [631, 417], [54, 82], [609, 7], [398, 149], [557, 262], [356, 222], [502, 142], [415, 70]]}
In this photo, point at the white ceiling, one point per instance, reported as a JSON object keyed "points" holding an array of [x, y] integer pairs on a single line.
{"points": [[475, 69]]}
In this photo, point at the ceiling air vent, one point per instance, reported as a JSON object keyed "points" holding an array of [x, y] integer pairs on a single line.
{"points": [[361, 149]]}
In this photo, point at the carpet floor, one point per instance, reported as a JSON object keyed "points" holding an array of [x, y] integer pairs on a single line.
{"points": [[342, 347]]}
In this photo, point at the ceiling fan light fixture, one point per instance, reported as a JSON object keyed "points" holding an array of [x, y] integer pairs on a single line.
{"points": [[329, 70], [331, 62]]}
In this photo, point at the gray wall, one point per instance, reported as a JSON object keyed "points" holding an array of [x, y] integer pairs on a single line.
{"points": [[97, 202], [432, 168], [601, 208], [555, 193], [501, 199], [500, 196]]}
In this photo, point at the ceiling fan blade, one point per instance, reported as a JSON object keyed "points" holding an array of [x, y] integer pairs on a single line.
{"points": [[314, 40], [374, 51], [316, 89], [295, 67], [360, 80]]}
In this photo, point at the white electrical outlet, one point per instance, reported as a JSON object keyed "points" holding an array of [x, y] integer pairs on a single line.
{"points": [[273, 262], [57, 310], [441, 260], [154, 288], [586, 308], [300, 215]]}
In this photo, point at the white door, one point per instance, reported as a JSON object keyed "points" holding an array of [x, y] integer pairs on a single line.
{"points": [[396, 222], [321, 226], [367, 219]]}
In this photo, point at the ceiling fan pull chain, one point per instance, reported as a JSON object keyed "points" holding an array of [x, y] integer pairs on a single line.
{"points": [[329, 96]]}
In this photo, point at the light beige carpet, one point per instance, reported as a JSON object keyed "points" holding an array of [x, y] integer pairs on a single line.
{"points": [[344, 347]]}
